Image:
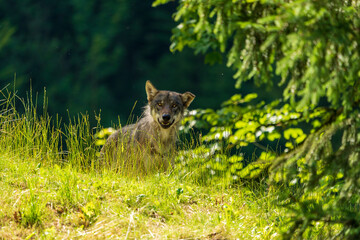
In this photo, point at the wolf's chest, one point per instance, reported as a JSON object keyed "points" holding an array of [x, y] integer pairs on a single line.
{"points": [[164, 141]]}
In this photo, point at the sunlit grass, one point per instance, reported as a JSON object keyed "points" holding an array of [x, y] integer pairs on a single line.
{"points": [[72, 203], [53, 186]]}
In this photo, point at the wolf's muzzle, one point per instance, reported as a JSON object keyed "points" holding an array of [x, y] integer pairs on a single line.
{"points": [[166, 117], [165, 121]]}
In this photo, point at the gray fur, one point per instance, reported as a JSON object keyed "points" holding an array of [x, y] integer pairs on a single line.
{"points": [[153, 137]]}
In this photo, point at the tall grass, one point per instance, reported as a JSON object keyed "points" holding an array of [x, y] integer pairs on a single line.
{"points": [[28, 134], [80, 142], [42, 138]]}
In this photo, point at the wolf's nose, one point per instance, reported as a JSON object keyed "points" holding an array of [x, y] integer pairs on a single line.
{"points": [[166, 117]]}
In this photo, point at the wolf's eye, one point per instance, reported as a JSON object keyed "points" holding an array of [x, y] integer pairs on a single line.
{"points": [[159, 104], [174, 106]]}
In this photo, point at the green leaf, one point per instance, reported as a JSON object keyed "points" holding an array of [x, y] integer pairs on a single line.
{"points": [[293, 133]]}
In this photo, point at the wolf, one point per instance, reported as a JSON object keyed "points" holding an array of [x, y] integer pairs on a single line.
{"points": [[152, 139]]}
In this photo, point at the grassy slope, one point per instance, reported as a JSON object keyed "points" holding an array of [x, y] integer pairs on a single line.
{"points": [[62, 202], [46, 194]]}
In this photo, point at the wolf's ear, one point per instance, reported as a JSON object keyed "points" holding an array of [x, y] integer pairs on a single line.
{"points": [[187, 98], [151, 91]]}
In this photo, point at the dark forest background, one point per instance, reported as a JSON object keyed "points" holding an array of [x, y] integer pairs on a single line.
{"points": [[94, 56]]}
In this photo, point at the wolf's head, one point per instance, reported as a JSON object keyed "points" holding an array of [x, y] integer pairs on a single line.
{"points": [[167, 107]]}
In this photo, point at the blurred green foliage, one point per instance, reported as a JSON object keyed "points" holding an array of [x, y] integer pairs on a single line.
{"points": [[253, 132], [95, 55], [312, 45]]}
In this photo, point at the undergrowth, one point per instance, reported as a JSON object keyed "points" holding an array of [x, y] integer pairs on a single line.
{"points": [[53, 186]]}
